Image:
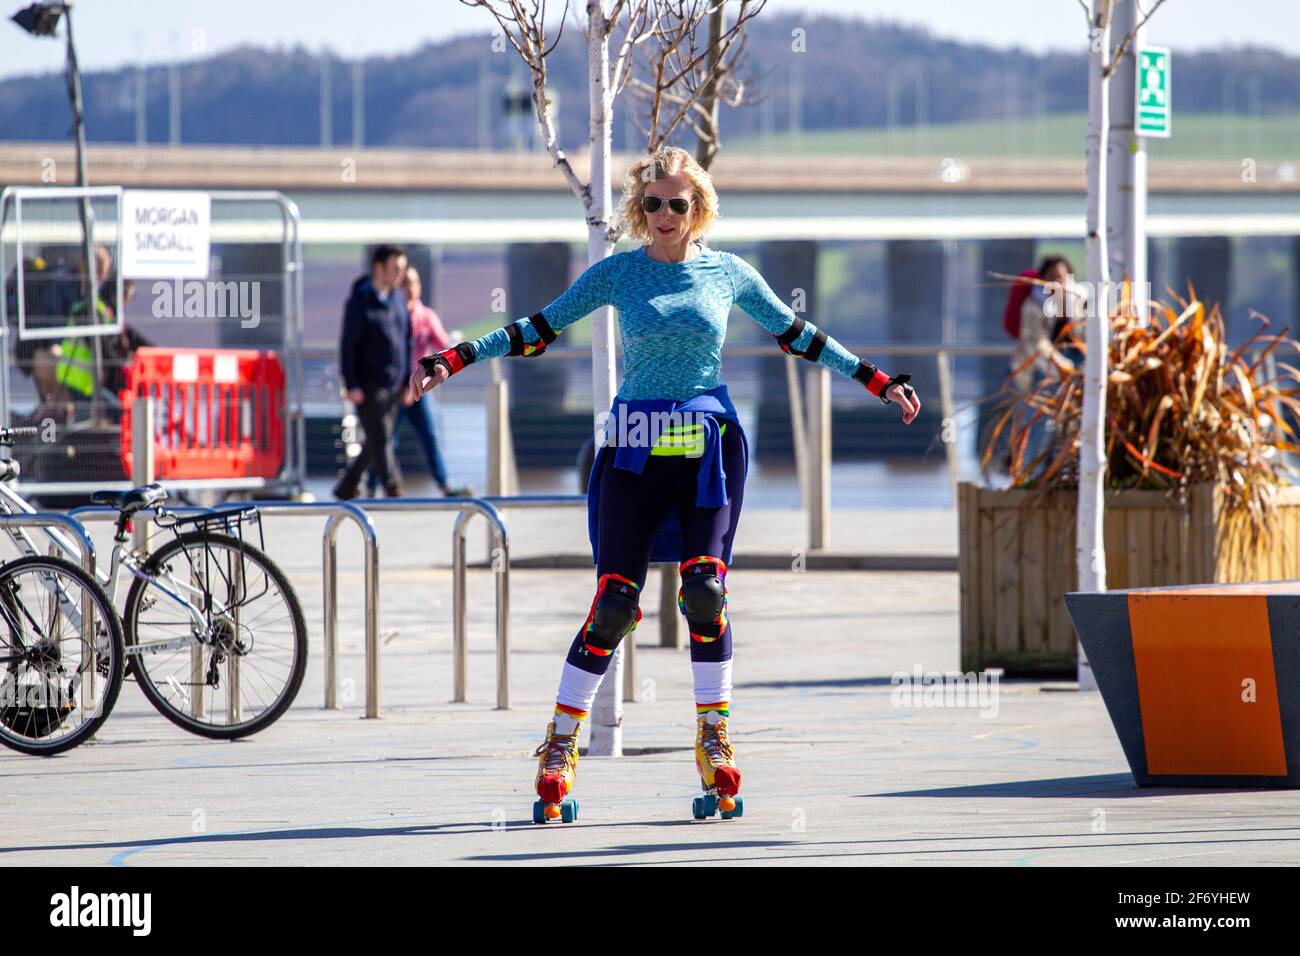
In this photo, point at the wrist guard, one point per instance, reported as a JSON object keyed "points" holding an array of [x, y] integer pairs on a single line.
{"points": [[529, 349], [453, 359], [787, 338], [878, 383]]}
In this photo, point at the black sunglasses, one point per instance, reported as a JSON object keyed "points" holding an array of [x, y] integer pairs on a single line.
{"points": [[652, 204]]}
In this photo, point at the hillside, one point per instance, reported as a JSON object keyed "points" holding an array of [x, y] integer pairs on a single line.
{"points": [[857, 75]]}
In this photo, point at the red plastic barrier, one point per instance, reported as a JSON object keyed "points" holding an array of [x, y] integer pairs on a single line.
{"points": [[219, 413]]}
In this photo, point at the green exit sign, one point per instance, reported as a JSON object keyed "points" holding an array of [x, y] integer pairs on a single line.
{"points": [[1155, 108]]}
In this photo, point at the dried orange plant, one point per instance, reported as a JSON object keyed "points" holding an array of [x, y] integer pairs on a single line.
{"points": [[1182, 407]]}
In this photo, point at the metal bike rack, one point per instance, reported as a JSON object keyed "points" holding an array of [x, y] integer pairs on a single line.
{"points": [[567, 501], [54, 520], [458, 556], [336, 512], [51, 519], [465, 509], [459, 564]]}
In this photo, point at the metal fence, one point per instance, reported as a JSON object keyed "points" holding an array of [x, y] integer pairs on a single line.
{"points": [[252, 299]]}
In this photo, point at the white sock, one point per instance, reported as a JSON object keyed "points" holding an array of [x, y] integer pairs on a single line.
{"points": [[565, 724], [578, 688], [712, 681]]}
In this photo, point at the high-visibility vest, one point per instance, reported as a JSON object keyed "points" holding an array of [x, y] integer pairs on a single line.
{"points": [[76, 367]]}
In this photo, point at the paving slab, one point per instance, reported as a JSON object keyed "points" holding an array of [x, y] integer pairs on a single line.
{"points": [[839, 767]]}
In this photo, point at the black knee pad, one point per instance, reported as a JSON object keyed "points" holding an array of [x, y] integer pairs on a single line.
{"points": [[704, 593], [614, 613], [703, 598]]}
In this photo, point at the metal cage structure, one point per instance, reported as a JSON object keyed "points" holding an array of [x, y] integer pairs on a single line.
{"points": [[256, 266]]}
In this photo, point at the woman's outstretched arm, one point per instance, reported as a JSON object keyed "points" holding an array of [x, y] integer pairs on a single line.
{"points": [[797, 336], [529, 336]]}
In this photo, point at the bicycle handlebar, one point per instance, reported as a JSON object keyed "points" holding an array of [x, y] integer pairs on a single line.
{"points": [[7, 435]]}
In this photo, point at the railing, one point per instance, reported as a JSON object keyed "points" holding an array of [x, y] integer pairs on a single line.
{"points": [[465, 508], [810, 414], [51, 520], [810, 417], [336, 511]]}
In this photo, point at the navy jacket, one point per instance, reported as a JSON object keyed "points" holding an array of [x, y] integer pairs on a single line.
{"points": [[375, 347]]}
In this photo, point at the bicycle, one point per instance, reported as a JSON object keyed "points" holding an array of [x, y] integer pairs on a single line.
{"points": [[213, 633], [62, 648]]}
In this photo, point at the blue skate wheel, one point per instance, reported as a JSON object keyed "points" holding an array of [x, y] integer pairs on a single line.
{"points": [[539, 812], [697, 808], [569, 811], [739, 811]]}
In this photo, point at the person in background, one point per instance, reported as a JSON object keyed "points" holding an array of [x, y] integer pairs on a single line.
{"points": [[74, 356], [375, 363], [427, 337], [64, 373], [1040, 324], [1043, 317], [119, 349]]}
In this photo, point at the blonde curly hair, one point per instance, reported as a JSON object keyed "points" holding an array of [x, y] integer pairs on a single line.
{"points": [[668, 161]]}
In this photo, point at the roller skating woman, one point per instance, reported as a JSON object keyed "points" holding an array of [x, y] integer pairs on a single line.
{"points": [[669, 475]]}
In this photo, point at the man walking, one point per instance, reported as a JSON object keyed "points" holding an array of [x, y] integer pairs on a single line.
{"points": [[374, 360]]}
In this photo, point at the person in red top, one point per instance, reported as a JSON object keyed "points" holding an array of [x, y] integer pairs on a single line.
{"points": [[427, 338]]}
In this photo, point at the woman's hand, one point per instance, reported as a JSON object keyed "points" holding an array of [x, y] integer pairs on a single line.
{"points": [[907, 399], [421, 383]]}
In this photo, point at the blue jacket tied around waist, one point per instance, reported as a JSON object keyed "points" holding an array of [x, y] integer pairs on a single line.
{"points": [[709, 409]]}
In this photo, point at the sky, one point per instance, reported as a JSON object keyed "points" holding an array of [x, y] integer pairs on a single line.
{"points": [[113, 33]]}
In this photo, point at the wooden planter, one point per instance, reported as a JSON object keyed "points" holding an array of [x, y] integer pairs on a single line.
{"points": [[1017, 561]]}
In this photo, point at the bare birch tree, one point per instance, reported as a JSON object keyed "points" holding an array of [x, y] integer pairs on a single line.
{"points": [[524, 24], [1090, 551], [691, 58]]}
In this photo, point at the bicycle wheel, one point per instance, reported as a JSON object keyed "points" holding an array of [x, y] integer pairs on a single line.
{"points": [[61, 655], [233, 664]]}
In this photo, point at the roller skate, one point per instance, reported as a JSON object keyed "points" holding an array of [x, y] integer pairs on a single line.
{"points": [[556, 766], [719, 776]]}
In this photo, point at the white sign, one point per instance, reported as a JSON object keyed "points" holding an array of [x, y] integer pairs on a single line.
{"points": [[165, 234]]}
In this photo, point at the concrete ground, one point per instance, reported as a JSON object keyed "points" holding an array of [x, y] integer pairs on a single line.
{"points": [[836, 769]]}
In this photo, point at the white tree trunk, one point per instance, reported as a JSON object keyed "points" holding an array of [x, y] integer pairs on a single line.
{"points": [[1090, 551], [1126, 187], [607, 713]]}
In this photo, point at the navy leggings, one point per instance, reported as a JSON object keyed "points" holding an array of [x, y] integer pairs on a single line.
{"points": [[631, 507]]}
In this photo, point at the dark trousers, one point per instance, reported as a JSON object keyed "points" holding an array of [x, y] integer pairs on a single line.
{"points": [[377, 414], [632, 505], [422, 420]]}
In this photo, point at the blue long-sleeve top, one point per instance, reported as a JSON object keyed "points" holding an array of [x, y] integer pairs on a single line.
{"points": [[673, 317]]}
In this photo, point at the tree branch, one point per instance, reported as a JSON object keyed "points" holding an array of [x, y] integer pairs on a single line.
{"points": [[1113, 65], [528, 37], [636, 33]]}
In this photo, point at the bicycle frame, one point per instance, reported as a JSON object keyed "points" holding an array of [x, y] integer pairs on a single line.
{"points": [[12, 502]]}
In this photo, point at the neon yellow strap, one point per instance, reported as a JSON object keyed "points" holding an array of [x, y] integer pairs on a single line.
{"points": [[686, 440]]}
